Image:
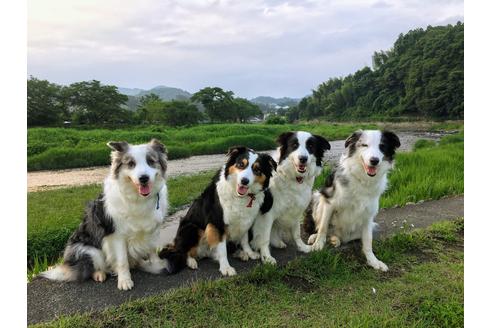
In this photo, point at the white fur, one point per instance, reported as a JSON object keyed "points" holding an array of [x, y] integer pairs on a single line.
{"points": [[136, 219], [352, 208], [281, 224]]}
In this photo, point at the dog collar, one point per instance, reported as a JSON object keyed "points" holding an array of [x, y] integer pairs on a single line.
{"points": [[251, 199], [157, 206], [300, 180]]}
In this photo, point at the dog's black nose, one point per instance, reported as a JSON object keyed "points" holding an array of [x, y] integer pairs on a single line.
{"points": [[374, 161], [244, 181], [303, 159], [143, 179]]}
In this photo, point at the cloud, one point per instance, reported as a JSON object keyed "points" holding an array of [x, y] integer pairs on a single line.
{"points": [[255, 47]]}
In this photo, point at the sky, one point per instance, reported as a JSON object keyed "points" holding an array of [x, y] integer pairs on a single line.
{"points": [[252, 47]]}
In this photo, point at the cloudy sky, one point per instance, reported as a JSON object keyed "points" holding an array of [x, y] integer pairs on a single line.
{"points": [[252, 47]]}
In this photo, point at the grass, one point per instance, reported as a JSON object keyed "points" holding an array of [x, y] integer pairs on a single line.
{"points": [[424, 288], [427, 173], [61, 148]]}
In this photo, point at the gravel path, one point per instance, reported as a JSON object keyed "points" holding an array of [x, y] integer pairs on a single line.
{"points": [[42, 180], [46, 300]]}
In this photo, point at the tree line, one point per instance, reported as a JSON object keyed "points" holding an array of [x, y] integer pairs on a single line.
{"points": [[420, 76], [90, 102]]}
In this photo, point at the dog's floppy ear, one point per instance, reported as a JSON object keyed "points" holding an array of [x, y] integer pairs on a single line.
{"points": [[322, 142], [284, 137], [235, 150], [157, 146], [354, 137], [119, 146], [391, 139]]}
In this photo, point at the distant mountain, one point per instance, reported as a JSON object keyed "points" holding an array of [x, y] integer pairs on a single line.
{"points": [[130, 91], [284, 101], [165, 93], [269, 104]]}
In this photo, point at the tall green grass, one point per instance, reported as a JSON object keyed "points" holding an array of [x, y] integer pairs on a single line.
{"points": [[61, 148]]}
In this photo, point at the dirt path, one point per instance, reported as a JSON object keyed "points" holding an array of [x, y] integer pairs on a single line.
{"points": [[46, 300], [42, 180]]}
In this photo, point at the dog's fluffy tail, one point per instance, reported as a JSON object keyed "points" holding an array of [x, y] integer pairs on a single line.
{"points": [[79, 263], [176, 260], [80, 270]]}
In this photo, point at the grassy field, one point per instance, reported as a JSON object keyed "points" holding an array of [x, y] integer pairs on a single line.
{"points": [[329, 288], [61, 148], [430, 172]]}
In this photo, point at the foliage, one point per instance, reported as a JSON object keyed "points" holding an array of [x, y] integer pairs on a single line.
{"points": [[421, 76], [173, 113], [275, 119], [217, 102], [45, 104], [58, 148]]}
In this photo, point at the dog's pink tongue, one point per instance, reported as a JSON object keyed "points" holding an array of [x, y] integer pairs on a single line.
{"points": [[242, 190], [144, 190], [371, 170]]}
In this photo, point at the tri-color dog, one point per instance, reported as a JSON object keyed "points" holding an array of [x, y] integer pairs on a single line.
{"points": [[347, 204], [119, 230], [300, 161], [224, 212]]}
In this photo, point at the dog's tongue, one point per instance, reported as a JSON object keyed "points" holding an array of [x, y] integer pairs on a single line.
{"points": [[242, 190], [144, 190], [371, 170]]}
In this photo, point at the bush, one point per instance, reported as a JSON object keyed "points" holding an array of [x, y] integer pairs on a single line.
{"points": [[275, 119]]}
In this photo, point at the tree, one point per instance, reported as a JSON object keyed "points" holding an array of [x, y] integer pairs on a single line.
{"points": [[217, 102], [179, 112], [244, 110], [45, 105], [94, 103]]}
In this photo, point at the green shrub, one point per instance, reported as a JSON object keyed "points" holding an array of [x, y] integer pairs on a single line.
{"points": [[275, 119]]}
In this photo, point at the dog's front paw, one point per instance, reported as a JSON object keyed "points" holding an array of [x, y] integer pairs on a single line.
{"points": [[378, 265], [318, 244], [192, 263], [254, 255], [304, 248], [125, 283], [228, 271], [268, 259], [99, 276], [312, 238], [335, 241]]}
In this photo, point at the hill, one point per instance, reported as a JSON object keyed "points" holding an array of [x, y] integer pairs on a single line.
{"points": [[421, 76]]}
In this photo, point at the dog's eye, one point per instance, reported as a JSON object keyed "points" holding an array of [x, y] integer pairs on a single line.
{"points": [[240, 165], [257, 172], [131, 164]]}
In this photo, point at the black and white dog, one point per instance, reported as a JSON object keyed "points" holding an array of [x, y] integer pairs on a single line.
{"points": [[224, 212], [119, 230], [349, 200], [300, 161]]}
